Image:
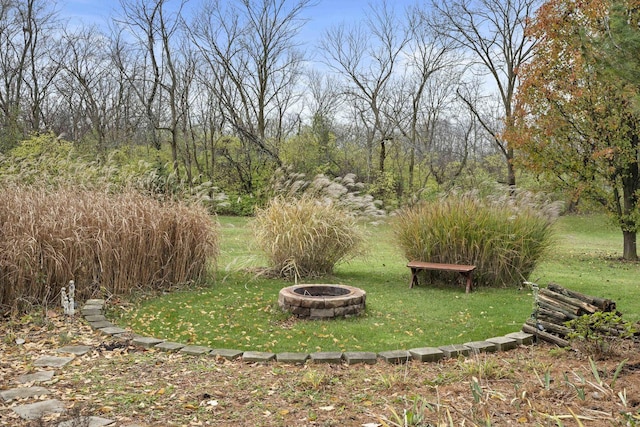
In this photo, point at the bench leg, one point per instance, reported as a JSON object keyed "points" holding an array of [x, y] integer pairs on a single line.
{"points": [[414, 277], [469, 283]]}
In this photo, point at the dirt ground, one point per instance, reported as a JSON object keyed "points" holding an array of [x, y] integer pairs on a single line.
{"points": [[538, 385]]}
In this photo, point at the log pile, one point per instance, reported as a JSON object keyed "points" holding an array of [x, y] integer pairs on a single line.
{"points": [[556, 305]]}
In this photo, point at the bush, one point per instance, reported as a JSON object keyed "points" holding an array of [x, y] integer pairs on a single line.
{"points": [[600, 334], [306, 237], [505, 237], [49, 161], [108, 244], [238, 205]]}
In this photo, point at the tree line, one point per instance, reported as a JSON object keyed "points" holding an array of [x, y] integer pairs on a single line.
{"points": [[396, 97]]}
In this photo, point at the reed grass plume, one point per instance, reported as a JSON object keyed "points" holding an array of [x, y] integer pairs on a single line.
{"points": [[346, 193], [107, 243]]}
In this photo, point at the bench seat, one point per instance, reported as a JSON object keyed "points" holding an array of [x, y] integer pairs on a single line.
{"points": [[465, 270]]}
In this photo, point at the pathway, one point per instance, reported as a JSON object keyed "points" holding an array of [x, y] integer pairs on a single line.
{"points": [[34, 406]]}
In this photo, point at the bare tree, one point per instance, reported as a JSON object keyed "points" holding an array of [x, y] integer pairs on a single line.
{"points": [[323, 102], [431, 75], [251, 52], [494, 33], [88, 82], [155, 28], [366, 56], [449, 148], [207, 117], [26, 72]]}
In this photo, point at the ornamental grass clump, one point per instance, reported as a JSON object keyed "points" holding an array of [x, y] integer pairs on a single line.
{"points": [[306, 237], [504, 238], [346, 193], [107, 243]]}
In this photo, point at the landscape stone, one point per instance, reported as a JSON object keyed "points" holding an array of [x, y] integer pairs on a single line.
{"points": [[366, 357], [146, 342], [257, 356], [99, 302], [95, 318], [295, 358], [169, 346], [395, 356], [504, 343], [52, 361], [522, 338], [91, 311], [87, 422], [426, 354], [481, 347], [78, 350], [112, 330], [22, 392], [36, 377], [195, 350], [34, 411], [123, 337], [226, 353], [101, 324], [455, 350], [321, 313], [326, 357]]}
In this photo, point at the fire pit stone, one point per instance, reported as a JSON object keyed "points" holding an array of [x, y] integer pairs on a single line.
{"points": [[322, 301]]}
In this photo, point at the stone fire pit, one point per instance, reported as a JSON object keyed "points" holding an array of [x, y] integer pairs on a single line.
{"points": [[322, 301]]}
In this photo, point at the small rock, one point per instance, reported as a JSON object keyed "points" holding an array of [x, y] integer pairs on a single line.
{"points": [[20, 341]]}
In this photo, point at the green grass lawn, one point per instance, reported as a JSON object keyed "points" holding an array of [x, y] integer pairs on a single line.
{"points": [[239, 308]]}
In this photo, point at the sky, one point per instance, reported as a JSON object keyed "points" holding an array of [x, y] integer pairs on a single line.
{"points": [[320, 17]]}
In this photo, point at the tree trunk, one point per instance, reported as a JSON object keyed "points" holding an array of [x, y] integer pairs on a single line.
{"points": [[383, 155], [511, 172], [174, 151], [412, 162], [630, 248]]}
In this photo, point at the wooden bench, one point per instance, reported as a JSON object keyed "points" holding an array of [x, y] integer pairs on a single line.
{"points": [[465, 270]]}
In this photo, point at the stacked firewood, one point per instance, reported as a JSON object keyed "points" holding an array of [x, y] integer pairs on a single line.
{"points": [[556, 305]]}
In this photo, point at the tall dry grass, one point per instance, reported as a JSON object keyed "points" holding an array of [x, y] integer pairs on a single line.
{"points": [[109, 244], [304, 237], [504, 237]]}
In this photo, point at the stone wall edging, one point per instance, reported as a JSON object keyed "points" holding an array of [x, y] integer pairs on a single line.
{"points": [[93, 313]]}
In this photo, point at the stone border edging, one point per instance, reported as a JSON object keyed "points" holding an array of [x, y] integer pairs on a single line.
{"points": [[93, 313]]}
